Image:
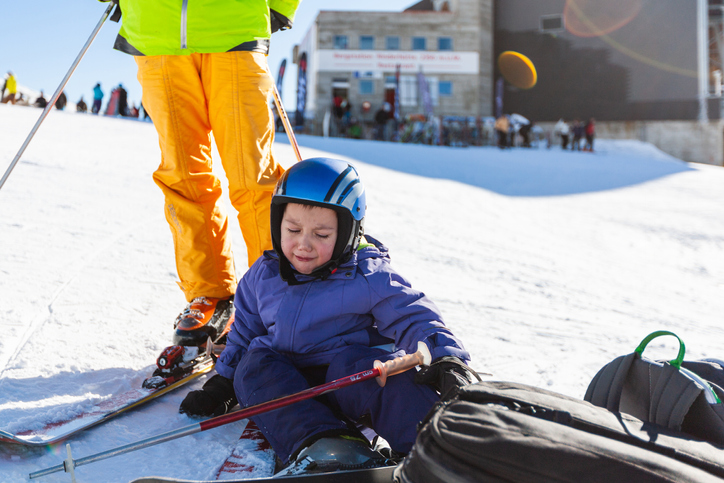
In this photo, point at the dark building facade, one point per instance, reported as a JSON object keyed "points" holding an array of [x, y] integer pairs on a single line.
{"points": [[614, 60]]}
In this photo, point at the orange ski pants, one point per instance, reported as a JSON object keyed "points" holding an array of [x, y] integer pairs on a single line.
{"points": [[189, 97]]}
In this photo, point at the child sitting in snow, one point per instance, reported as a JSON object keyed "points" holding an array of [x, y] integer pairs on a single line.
{"points": [[313, 310]]}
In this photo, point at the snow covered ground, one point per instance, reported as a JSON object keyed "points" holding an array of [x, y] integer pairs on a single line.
{"points": [[548, 264]]}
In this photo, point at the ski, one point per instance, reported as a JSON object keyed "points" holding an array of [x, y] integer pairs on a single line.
{"points": [[371, 475], [252, 460], [176, 367], [251, 456]]}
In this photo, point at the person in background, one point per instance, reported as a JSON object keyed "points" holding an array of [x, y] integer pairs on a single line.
{"points": [[524, 132], [11, 86], [81, 106], [41, 101], [122, 101], [502, 126], [145, 112], [590, 131], [207, 75], [61, 102], [97, 98], [563, 130], [381, 117], [578, 130], [22, 100]]}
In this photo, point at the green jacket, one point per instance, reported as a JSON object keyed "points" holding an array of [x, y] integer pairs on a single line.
{"points": [[183, 27]]}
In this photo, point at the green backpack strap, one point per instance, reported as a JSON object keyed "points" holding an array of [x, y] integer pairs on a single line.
{"points": [[682, 348]]}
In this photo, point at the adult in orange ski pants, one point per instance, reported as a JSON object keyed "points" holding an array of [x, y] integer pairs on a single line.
{"points": [[188, 97]]}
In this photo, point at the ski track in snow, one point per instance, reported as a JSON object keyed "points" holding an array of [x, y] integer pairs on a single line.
{"points": [[42, 318], [548, 264]]}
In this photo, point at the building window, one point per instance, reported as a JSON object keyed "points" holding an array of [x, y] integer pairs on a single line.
{"points": [[408, 90], [444, 43], [392, 43], [419, 43], [445, 88], [366, 42], [434, 90], [366, 86], [340, 41], [552, 23]]}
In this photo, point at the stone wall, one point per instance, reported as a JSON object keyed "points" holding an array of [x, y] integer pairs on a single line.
{"points": [[687, 140]]}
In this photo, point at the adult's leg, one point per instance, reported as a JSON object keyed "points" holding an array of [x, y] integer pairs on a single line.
{"points": [[263, 375], [173, 94], [394, 409], [238, 88]]}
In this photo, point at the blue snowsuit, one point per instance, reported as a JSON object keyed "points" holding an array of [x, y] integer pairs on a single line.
{"points": [[286, 338]]}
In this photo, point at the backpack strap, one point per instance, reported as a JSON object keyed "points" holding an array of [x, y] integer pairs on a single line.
{"points": [[672, 397], [606, 387]]}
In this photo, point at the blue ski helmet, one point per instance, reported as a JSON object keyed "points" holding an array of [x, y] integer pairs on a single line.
{"points": [[329, 183]]}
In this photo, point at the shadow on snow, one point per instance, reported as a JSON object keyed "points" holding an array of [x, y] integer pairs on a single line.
{"points": [[512, 172]]}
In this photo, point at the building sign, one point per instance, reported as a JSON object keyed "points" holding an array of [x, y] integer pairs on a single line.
{"points": [[387, 61]]}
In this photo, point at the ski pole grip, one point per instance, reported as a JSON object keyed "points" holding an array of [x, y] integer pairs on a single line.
{"points": [[402, 364]]}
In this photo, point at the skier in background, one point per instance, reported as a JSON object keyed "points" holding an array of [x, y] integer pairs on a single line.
{"points": [[61, 102], [81, 106], [41, 101], [314, 310], [97, 98], [196, 80], [11, 86], [122, 101]]}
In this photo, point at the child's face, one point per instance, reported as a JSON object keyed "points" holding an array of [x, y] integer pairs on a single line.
{"points": [[308, 236]]}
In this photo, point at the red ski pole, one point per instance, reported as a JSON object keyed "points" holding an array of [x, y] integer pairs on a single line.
{"points": [[381, 371]]}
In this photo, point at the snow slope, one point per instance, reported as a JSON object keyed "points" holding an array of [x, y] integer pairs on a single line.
{"points": [[548, 264]]}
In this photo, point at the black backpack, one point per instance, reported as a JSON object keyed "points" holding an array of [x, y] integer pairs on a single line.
{"points": [[509, 432]]}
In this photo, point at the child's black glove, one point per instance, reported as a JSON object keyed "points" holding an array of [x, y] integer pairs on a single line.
{"points": [[445, 374], [216, 397]]}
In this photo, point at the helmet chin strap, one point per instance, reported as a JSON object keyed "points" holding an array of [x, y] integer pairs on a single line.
{"points": [[288, 273]]}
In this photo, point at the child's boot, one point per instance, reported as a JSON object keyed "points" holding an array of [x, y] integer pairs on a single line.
{"points": [[338, 453], [204, 318]]}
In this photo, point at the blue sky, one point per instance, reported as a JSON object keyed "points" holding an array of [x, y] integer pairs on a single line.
{"points": [[40, 39]]}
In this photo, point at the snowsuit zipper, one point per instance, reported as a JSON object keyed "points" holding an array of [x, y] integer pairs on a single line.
{"points": [[184, 7]]}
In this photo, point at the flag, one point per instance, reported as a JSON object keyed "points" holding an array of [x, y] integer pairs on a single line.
{"points": [[398, 114], [499, 97], [301, 90], [280, 76], [424, 88]]}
